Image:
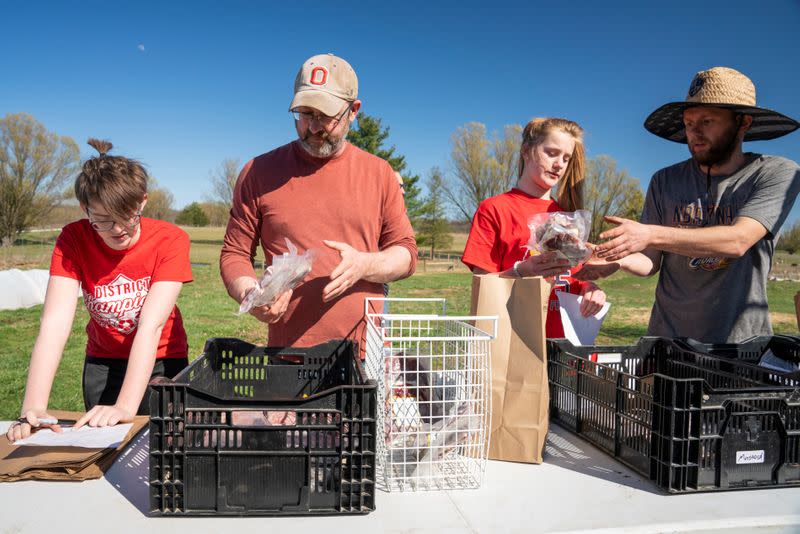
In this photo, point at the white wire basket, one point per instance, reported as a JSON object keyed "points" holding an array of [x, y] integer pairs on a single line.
{"points": [[434, 398]]}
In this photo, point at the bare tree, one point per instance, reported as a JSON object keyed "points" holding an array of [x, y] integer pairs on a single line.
{"points": [[159, 202], [506, 154], [482, 167], [35, 165], [789, 239], [223, 179], [608, 191], [217, 212]]}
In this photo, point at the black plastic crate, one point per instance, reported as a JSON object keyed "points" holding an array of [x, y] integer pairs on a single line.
{"points": [[750, 351], [688, 421], [247, 430]]}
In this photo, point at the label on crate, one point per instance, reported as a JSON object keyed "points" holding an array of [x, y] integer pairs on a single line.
{"points": [[749, 457], [608, 357], [258, 418]]}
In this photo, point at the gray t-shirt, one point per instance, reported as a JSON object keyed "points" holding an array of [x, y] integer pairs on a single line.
{"points": [[718, 300]]}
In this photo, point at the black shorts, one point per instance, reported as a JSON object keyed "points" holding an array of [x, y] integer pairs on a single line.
{"points": [[102, 379]]}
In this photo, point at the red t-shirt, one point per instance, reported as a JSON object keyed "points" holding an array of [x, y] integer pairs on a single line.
{"points": [[498, 237], [115, 283]]}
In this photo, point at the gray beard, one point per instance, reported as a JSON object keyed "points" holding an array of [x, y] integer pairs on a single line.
{"points": [[328, 147], [325, 150]]}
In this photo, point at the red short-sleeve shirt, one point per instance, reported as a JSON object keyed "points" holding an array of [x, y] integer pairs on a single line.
{"points": [[498, 237], [115, 283]]}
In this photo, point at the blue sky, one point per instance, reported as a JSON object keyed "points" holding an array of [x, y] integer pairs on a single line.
{"points": [[183, 85]]}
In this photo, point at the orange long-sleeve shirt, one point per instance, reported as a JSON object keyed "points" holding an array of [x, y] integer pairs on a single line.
{"points": [[353, 198]]}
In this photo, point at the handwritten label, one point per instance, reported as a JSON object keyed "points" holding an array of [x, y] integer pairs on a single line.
{"points": [[749, 457]]}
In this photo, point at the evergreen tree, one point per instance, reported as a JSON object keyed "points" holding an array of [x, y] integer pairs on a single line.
{"points": [[192, 215], [434, 228], [413, 199], [370, 135]]}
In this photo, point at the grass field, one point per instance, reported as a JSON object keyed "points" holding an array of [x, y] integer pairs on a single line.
{"points": [[209, 312]]}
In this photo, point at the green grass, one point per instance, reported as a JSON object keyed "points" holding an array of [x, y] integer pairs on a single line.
{"points": [[631, 300], [206, 308], [206, 233], [33, 249], [32, 252], [209, 312], [18, 330], [454, 287]]}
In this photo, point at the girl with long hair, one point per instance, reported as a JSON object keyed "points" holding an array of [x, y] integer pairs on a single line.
{"points": [[551, 156]]}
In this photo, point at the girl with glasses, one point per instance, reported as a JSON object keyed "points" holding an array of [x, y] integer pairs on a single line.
{"points": [[130, 270], [551, 156]]}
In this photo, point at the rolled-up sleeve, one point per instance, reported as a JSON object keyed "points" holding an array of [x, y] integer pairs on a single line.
{"points": [[242, 234], [396, 229]]}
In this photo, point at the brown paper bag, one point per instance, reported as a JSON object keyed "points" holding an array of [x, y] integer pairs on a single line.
{"points": [[797, 308], [520, 394], [60, 463]]}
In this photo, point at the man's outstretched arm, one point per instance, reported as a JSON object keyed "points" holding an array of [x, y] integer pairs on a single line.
{"points": [[629, 237]]}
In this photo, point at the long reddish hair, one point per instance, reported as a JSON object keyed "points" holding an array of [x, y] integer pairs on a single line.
{"points": [[570, 187]]}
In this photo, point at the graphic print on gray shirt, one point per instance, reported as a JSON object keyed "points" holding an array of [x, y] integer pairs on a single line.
{"points": [[718, 300]]}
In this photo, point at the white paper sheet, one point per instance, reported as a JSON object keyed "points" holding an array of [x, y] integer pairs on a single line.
{"points": [[86, 436], [579, 330]]}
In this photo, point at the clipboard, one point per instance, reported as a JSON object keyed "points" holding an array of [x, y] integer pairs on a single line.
{"points": [[61, 463]]}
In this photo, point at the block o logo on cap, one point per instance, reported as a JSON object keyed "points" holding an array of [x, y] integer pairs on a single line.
{"points": [[319, 76]]}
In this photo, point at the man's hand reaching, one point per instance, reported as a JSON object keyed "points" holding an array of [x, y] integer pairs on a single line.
{"points": [[352, 268]]}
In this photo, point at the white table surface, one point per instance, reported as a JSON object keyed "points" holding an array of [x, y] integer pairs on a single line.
{"points": [[577, 489]]}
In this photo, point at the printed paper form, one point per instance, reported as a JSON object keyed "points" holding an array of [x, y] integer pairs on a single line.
{"points": [[86, 436], [579, 330]]}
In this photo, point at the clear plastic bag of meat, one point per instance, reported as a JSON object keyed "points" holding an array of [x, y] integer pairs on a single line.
{"points": [[286, 272], [563, 232], [431, 415]]}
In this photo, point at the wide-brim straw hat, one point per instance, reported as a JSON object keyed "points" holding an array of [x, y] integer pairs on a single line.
{"points": [[720, 87]]}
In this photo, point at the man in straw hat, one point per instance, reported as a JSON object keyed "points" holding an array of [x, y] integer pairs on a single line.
{"points": [[325, 194], [710, 223]]}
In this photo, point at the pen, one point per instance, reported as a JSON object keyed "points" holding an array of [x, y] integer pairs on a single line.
{"points": [[47, 421]]}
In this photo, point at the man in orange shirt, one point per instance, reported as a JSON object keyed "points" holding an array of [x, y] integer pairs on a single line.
{"points": [[325, 194]]}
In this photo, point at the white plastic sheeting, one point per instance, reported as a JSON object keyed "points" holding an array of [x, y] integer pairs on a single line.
{"points": [[22, 289]]}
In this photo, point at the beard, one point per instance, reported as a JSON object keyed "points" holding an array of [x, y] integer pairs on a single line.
{"points": [[719, 151], [325, 145]]}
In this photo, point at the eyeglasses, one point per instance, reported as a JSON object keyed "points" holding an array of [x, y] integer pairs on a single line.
{"points": [[324, 120], [105, 226]]}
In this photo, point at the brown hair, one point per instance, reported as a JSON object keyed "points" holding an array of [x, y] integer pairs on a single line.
{"points": [[570, 187], [117, 183]]}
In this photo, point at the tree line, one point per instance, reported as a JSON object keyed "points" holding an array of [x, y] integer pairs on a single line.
{"points": [[37, 168]]}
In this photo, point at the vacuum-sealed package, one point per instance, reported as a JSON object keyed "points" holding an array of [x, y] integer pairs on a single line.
{"points": [[432, 416], [562, 232], [286, 272]]}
